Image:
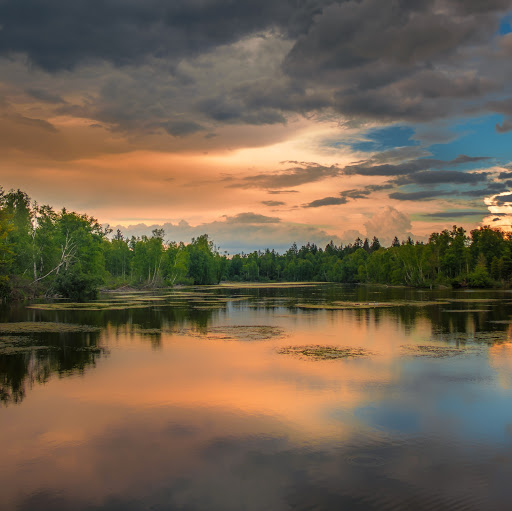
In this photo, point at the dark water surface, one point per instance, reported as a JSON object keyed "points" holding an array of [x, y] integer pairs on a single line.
{"points": [[220, 399]]}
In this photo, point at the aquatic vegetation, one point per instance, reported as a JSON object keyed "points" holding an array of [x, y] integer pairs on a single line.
{"points": [[474, 337], [366, 305], [11, 344], [142, 300], [319, 352], [238, 333], [89, 306], [343, 306], [435, 351], [472, 300], [256, 285], [466, 310], [221, 333], [45, 327]]}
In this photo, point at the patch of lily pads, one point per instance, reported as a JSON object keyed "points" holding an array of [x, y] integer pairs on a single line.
{"points": [[466, 310], [436, 351], [222, 333], [261, 285], [244, 333], [366, 305], [318, 352], [141, 301], [13, 344], [37, 327], [489, 338], [89, 306], [471, 300]]}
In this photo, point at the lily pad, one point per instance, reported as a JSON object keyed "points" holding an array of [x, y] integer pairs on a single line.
{"points": [[471, 300], [365, 305], [435, 351], [466, 310], [25, 327], [317, 352], [239, 333], [474, 337]]}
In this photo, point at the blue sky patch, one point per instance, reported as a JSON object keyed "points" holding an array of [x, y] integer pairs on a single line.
{"points": [[506, 25], [382, 139], [478, 137]]}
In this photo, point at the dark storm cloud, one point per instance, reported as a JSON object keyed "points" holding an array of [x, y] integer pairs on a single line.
{"points": [[503, 106], [58, 35], [396, 61], [503, 199], [491, 189], [421, 195], [505, 126], [413, 171], [273, 203], [181, 128], [455, 214], [344, 196], [231, 111], [327, 201], [252, 218], [368, 168], [45, 96], [429, 177], [294, 176], [33, 123], [405, 60]]}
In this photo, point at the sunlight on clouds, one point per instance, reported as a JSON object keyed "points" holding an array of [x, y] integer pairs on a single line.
{"points": [[501, 211]]}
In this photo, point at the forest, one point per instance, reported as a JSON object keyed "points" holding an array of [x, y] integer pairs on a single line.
{"points": [[44, 252]]}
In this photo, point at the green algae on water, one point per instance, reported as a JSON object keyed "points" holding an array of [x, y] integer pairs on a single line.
{"points": [[221, 333], [239, 333], [37, 327], [489, 338], [366, 305], [319, 352], [435, 351]]}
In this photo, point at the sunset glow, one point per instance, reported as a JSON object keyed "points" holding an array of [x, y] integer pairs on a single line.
{"points": [[261, 124]]}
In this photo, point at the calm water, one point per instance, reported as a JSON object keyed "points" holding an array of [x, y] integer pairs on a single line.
{"points": [[176, 404]]}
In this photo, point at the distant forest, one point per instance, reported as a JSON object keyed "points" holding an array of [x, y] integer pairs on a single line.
{"points": [[44, 252]]}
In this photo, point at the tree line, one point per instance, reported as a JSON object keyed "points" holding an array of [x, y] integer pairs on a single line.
{"points": [[48, 252]]}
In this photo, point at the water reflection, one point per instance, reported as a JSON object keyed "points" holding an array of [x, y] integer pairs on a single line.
{"points": [[179, 458], [26, 361], [196, 407]]}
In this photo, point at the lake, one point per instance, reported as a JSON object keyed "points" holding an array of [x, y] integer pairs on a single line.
{"points": [[258, 397]]}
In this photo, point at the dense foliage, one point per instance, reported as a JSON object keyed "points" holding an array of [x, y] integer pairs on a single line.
{"points": [[43, 251]]}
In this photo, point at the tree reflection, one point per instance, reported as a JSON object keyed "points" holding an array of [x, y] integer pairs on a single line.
{"points": [[23, 365]]}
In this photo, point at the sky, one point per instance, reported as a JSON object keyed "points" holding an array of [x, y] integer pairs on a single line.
{"points": [[261, 122]]}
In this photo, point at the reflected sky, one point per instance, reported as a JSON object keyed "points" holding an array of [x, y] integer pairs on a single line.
{"points": [[183, 420]]}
